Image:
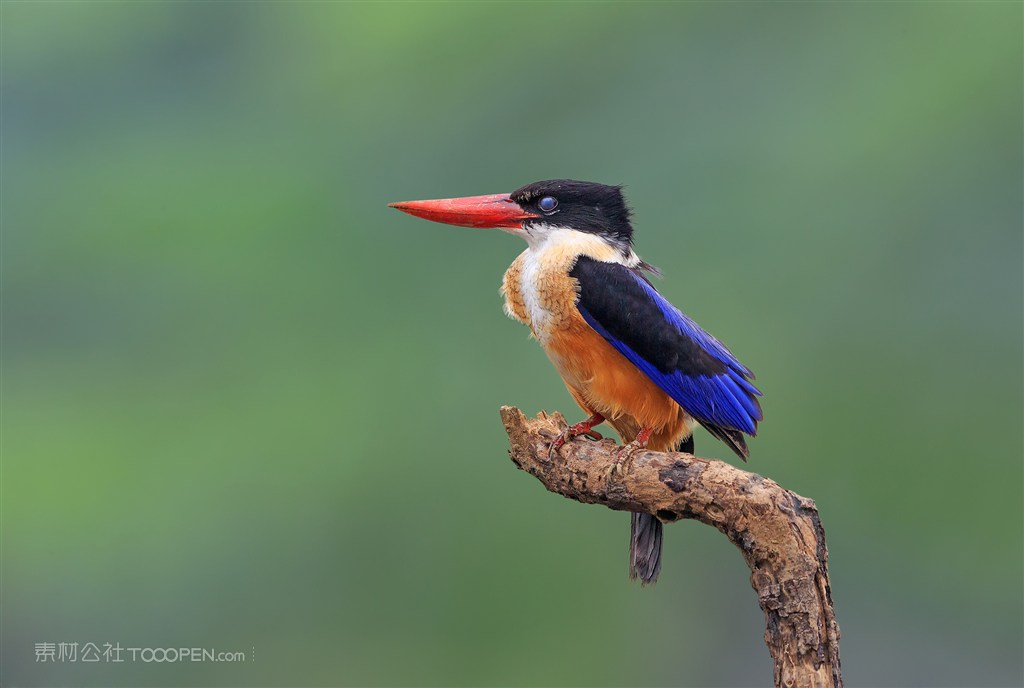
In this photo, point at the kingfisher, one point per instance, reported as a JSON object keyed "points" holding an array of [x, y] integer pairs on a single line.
{"points": [[627, 356]]}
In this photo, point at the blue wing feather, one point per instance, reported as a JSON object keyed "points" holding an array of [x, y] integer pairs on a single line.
{"points": [[688, 327], [724, 398]]}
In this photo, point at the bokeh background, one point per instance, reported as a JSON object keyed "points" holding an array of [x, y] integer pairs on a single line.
{"points": [[247, 407]]}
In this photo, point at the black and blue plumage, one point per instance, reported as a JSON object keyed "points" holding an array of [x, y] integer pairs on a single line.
{"points": [[687, 363]]}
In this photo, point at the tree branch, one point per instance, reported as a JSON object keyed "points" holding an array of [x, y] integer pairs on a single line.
{"points": [[778, 532]]}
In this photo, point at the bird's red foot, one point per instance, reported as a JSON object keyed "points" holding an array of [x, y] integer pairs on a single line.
{"points": [[625, 454], [582, 428], [627, 450]]}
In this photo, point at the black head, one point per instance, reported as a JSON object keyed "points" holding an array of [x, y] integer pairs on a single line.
{"points": [[584, 206]]}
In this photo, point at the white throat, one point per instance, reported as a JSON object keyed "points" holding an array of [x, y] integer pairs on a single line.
{"points": [[544, 237]]}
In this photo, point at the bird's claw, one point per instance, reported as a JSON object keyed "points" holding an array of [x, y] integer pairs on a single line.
{"points": [[569, 433], [627, 451], [624, 456], [556, 444]]}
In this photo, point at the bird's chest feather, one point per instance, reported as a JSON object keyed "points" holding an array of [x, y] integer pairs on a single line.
{"points": [[540, 293], [548, 294], [537, 287]]}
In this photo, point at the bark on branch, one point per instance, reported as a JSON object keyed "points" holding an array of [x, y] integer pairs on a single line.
{"points": [[778, 532]]}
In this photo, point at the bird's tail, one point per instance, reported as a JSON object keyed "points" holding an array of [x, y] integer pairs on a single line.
{"points": [[645, 536], [645, 548]]}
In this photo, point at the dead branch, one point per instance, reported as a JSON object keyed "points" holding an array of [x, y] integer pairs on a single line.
{"points": [[779, 532]]}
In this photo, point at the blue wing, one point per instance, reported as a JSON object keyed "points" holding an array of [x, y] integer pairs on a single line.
{"points": [[690, 365]]}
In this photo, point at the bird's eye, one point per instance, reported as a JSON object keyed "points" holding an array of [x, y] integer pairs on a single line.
{"points": [[547, 204]]}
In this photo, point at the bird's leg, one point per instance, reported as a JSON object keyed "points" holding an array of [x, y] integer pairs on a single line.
{"points": [[636, 445], [582, 428]]}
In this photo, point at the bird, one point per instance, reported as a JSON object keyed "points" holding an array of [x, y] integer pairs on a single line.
{"points": [[627, 356]]}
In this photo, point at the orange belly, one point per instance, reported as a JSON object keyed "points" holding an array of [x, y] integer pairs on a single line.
{"points": [[602, 380]]}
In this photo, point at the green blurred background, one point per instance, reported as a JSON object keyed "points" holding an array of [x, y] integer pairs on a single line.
{"points": [[247, 407]]}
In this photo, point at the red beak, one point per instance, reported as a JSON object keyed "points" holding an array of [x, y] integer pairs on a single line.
{"points": [[497, 210]]}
